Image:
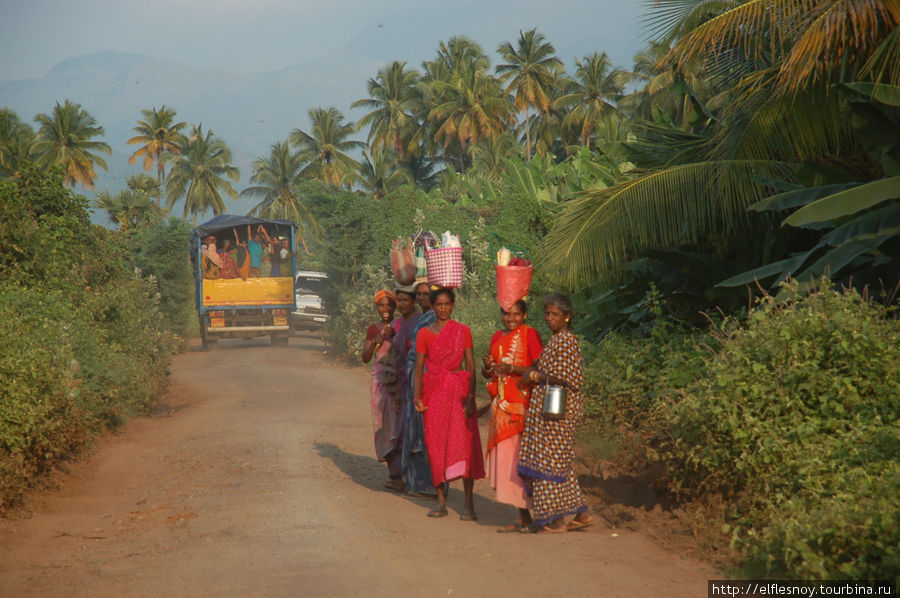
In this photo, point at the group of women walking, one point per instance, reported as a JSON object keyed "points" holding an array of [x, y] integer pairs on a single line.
{"points": [[425, 417]]}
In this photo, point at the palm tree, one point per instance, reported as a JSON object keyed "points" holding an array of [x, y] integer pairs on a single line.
{"points": [[393, 99], [324, 147], [489, 155], [129, 208], [591, 94], [530, 69], [65, 137], [779, 114], [145, 184], [16, 142], [198, 174], [382, 173], [458, 55], [159, 134], [274, 180], [472, 106]]}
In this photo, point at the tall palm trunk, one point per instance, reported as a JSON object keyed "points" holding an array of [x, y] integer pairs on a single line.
{"points": [[160, 177], [527, 135]]}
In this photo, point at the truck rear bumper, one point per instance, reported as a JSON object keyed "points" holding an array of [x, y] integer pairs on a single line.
{"points": [[215, 329]]}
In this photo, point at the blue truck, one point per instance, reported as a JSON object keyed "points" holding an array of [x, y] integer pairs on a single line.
{"points": [[243, 307]]}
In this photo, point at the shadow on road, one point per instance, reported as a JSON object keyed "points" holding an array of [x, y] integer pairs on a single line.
{"points": [[365, 471], [368, 472]]}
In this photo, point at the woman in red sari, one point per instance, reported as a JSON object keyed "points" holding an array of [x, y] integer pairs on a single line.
{"points": [[445, 394], [512, 352]]}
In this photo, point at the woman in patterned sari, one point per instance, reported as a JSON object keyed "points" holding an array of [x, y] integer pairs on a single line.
{"points": [[548, 445], [384, 392], [512, 352], [445, 395]]}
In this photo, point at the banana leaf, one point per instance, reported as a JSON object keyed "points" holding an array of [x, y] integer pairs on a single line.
{"points": [[881, 92], [845, 203], [783, 267], [798, 197], [835, 260], [879, 223]]}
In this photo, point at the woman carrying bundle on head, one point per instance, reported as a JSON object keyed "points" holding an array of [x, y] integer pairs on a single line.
{"points": [[512, 352], [444, 392]]}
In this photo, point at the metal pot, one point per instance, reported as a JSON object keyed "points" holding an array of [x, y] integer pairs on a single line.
{"points": [[554, 402]]}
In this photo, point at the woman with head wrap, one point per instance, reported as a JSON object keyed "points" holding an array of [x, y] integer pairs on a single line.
{"points": [[385, 396]]}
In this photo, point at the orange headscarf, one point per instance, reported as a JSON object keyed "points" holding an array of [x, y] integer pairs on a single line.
{"points": [[382, 294]]}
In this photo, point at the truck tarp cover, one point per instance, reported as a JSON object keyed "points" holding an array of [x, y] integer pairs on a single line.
{"points": [[228, 221]]}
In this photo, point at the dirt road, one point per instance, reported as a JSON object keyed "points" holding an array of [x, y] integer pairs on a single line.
{"points": [[255, 476]]}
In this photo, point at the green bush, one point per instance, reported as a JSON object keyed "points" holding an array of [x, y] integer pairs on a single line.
{"points": [[791, 418], [161, 251], [797, 420], [628, 380], [84, 343]]}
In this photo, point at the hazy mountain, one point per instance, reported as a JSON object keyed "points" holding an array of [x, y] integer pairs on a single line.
{"points": [[251, 111], [248, 111]]}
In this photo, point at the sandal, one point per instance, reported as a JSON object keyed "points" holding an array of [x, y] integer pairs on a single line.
{"points": [[435, 513], [468, 516], [395, 485], [576, 525], [511, 528], [543, 529]]}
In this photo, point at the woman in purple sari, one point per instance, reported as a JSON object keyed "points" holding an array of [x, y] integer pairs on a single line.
{"points": [[403, 326], [444, 393], [385, 398]]}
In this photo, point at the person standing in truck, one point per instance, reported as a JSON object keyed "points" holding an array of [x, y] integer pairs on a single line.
{"points": [[241, 256], [254, 248], [274, 254], [286, 255]]}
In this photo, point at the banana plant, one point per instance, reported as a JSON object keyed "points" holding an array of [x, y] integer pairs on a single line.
{"points": [[862, 217]]}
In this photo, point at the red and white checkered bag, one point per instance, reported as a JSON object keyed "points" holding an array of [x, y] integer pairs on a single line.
{"points": [[445, 266]]}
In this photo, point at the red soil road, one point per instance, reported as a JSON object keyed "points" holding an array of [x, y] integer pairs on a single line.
{"points": [[255, 476]]}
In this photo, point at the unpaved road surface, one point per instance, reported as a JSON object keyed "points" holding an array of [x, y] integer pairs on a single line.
{"points": [[255, 476]]}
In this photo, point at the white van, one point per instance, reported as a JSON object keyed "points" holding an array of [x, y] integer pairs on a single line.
{"points": [[310, 313]]}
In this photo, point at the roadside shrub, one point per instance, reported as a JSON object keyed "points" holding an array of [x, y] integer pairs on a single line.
{"points": [[629, 381], [797, 421], [161, 251], [84, 344]]}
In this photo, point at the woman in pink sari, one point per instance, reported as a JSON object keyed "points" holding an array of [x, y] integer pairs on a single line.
{"points": [[444, 393]]}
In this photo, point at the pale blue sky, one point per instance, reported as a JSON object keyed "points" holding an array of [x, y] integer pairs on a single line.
{"points": [[265, 35]]}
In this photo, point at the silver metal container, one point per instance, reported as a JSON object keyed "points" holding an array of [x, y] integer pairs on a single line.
{"points": [[554, 402]]}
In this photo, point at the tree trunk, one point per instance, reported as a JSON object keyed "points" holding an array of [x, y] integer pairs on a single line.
{"points": [[527, 136]]}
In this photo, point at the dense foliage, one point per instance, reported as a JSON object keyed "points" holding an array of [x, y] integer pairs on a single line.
{"points": [[84, 341], [793, 416]]}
